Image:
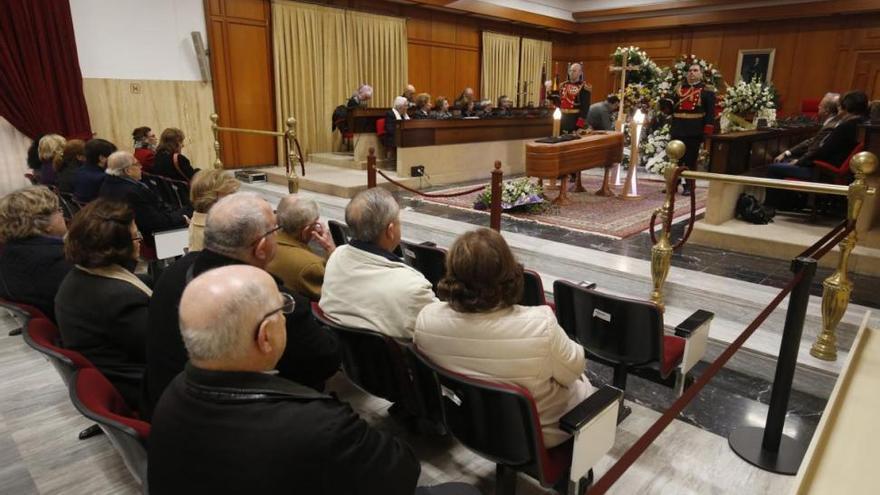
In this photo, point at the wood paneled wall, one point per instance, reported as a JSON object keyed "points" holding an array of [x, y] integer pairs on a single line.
{"points": [[444, 57], [117, 106], [240, 41], [813, 56]]}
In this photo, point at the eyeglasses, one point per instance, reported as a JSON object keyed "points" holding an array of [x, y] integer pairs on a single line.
{"points": [[267, 234], [288, 304]]}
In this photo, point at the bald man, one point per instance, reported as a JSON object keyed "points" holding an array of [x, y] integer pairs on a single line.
{"points": [[240, 229], [227, 425]]}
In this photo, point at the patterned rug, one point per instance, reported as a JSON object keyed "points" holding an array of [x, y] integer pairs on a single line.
{"points": [[608, 216]]}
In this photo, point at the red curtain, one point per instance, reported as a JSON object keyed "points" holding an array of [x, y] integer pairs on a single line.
{"points": [[40, 80]]}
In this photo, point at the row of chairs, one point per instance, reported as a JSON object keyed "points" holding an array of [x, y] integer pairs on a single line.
{"points": [[90, 391], [499, 421]]}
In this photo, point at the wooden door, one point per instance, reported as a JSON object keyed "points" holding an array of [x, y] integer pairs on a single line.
{"points": [[867, 74], [240, 47]]}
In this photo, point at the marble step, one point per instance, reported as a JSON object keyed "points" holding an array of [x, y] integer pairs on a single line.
{"points": [[734, 302], [347, 160], [334, 181]]}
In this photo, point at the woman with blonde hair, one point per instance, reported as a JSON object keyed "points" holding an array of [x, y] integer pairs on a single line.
{"points": [[423, 106], [170, 161], [479, 330], [74, 156], [32, 263], [207, 187], [50, 151]]}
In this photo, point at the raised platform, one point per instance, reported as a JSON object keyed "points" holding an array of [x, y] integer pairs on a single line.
{"points": [[342, 182]]}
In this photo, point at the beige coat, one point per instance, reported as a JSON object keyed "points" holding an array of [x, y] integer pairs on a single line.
{"points": [[521, 345], [365, 290], [197, 231], [301, 270]]}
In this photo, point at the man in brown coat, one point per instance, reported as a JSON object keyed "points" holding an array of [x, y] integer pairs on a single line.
{"points": [[301, 269]]}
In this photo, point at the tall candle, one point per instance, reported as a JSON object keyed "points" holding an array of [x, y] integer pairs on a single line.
{"points": [[557, 120]]}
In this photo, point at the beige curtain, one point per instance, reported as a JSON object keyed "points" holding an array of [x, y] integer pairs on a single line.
{"points": [[500, 65], [378, 45], [322, 54], [534, 55]]}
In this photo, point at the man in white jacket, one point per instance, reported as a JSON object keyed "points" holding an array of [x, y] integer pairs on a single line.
{"points": [[365, 284]]}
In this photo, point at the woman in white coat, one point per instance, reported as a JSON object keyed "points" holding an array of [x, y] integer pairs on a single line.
{"points": [[479, 330]]}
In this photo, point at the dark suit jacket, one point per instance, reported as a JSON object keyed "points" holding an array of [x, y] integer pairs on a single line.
{"points": [[813, 143], [163, 165], [837, 145], [150, 213], [312, 353], [389, 139], [31, 270], [106, 320], [87, 182], [245, 432]]}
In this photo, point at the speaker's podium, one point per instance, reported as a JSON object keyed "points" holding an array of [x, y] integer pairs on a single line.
{"points": [[550, 160]]}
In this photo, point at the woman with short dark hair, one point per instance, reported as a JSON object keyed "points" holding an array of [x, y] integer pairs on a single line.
{"points": [[145, 147], [479, 330], [32, 263], [441, 109], [102, 306], [170, 161]]}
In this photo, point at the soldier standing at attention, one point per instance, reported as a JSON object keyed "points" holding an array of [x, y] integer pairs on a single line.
{"points": [[574, 96], [693, 117]]}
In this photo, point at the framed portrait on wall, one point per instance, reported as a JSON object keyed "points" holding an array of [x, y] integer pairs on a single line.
{"points": [[755, 63]]}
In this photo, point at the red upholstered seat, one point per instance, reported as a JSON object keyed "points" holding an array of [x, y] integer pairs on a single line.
{"points": [[840, 172], [31, 311], [43, 335], [380, 127], [673, 350], [100, 397]]}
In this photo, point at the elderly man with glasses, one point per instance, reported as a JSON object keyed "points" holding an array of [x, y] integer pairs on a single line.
{"points": [[240, 229]]}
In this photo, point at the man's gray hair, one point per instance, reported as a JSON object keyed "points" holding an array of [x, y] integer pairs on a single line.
{"points": [[235, 222], [223, 333], [831, 102], [119, 161], [369, 213], [400, 101], [296, 213], [365, 90]]}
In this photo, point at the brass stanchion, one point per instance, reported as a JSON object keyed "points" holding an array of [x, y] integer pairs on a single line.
{"points": [[837, 288], [290, 140], [661, 252], [371, 169], [495, 206], [215, 129]]}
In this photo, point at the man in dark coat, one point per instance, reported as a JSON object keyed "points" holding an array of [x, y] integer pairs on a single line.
{"points": [[226, 425], [693, 117], [827, 115], [88, 179], [124, 184], [240, 229]]}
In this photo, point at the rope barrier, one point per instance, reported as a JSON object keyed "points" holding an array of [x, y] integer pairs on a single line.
{"points": [[824, 239], [430, 195]]}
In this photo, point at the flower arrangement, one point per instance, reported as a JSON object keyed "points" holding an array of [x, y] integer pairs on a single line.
{"points": [[653, 149], [677, 74], [517, 193], [648, 72], [637, 96], [745, 103]]}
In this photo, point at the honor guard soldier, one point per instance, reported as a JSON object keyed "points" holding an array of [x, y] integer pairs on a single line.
{"points": [[693, 117], [574, 96]]}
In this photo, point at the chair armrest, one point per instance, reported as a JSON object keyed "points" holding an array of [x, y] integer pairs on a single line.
{"points": [[584, 412], [593, 424], [695, 331], [586, 284]]}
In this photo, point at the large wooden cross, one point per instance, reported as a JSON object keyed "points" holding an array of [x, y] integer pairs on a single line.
{"points": [[623, 69]]}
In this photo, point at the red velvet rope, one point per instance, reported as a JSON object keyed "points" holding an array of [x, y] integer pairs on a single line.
{"points": [[632, 454], [430, 195]]}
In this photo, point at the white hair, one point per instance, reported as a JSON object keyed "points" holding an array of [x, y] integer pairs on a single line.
{"points": [[400, 101], [365, 90], [295, 213], [118, 162], [235, 222], [370, 212]]}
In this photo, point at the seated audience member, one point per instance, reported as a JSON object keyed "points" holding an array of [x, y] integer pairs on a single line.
{"points": [[227, 425], [123, 183], [73, 157], [480, 331], [505, 107], [101, 305], [828, 116], [365, 285], [145, 147], [51, 150], [169, 161], [90, 177], [600, 116], [874, 111], [207, 187], [301, 269], [422, 107], [397, 112], [409, 93], [33, 156], [32, 263], [361, 97], [441, 109], [836, 147], [241, 229]]}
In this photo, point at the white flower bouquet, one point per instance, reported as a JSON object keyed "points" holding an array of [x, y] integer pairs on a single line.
{"points": [[519, 193], [746, 102], [653, 149]]}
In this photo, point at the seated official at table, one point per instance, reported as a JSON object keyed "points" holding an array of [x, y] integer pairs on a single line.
{"points": [[600, 116], [504, 108], [228, 425], [409, 93], [441, 109], [479, 330], [836, 147], [361, 97], [829, 108], [467, 95], [397, 112], [422, 107]]}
